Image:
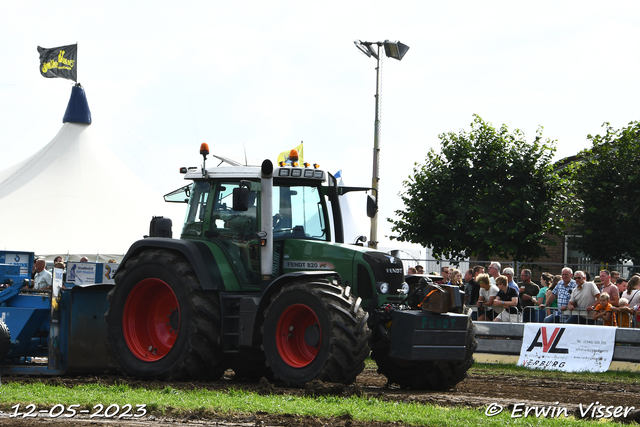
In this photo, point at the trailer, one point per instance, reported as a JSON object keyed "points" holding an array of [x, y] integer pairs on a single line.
{"points": [[57, 331]]}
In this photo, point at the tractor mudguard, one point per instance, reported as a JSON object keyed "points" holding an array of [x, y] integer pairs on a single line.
{"points": [[278, 283], [198, 254]]}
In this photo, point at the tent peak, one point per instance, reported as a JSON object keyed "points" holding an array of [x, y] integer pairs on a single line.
{"points": [[78, 107]]}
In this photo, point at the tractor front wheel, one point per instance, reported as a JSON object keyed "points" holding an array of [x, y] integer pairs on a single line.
{"points": [[161, 324], [315, 330]]}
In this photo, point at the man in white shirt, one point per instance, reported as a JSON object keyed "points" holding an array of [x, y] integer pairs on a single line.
{"points": [[494, 271], [583, 298], [42, 279]]}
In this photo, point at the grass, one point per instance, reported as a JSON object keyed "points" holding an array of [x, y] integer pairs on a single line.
{"points": [[209, 403], [513, 370]]}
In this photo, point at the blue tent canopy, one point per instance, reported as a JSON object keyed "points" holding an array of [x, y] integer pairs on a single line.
{"points": [[78, 107]]}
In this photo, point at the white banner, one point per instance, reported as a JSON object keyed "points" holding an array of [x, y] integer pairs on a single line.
{"points": [[81, 273], [108, 272], [57, 282], [569, 348]]}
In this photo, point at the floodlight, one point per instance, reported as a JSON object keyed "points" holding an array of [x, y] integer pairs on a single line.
{"points": [[365, 47], [395, 49], [362, 48]]}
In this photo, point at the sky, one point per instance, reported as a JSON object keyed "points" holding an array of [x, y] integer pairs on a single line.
{"points": [[259, 77]]}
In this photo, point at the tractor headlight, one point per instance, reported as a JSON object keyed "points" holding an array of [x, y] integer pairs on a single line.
{"points": [[405, 288], [384, 288]]}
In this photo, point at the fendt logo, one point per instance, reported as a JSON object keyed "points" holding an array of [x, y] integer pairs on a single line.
{"points": [[549, 344]]}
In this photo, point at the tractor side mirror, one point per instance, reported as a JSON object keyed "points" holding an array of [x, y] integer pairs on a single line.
{"points": [[241, 199], [372, 206]]}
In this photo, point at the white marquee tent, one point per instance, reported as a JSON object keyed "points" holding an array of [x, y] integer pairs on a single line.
{"points": [[74, 196]]}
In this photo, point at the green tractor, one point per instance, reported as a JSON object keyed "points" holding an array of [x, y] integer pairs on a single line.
{"points": [[262, 282]]}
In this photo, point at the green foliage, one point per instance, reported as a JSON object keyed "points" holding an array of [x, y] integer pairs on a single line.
{"points": [[607, 186], [487, 193]]}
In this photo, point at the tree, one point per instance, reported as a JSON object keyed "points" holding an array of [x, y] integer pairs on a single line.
{"points": [[607, 186], [488, 193]]}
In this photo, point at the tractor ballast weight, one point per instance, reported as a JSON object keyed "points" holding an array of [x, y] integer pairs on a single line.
{"points": [[442, 298], [262, 282]]}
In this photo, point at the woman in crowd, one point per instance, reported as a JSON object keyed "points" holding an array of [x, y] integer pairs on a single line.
{"points": [[456, 278], [632, 294], [554, 304], [507, 299], [633, 291], [545, 282]]}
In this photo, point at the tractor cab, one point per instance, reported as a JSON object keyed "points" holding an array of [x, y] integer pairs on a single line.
{"points": [[227, 207]]}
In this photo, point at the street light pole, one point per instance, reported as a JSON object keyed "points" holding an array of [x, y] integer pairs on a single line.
{"points": [[375, 176], [397, 51]]}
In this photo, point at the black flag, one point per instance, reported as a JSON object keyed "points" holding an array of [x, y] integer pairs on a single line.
{"points": [[59, 62]]}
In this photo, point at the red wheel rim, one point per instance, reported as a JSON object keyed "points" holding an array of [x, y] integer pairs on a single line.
{"points": [[151, 320], [295, 322]]}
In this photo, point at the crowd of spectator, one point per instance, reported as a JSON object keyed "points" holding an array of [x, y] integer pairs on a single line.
{"points": [[42, 278], [566, 298]]}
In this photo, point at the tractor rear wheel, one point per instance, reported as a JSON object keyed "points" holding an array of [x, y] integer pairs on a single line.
{"points": [[161, 324], [5, 340], [315, 330], [426, 374]]}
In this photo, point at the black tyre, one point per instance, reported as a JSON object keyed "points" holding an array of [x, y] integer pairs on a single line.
{"points": [[315, 330], [161, 324], [5, 340], [426, 374]]}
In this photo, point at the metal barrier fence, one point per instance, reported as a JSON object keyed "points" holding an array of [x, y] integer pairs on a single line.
{"points": [[590, 268], [578, 316]]}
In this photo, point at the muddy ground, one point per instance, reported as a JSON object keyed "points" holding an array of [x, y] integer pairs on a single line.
{"points": [[481, 391]]}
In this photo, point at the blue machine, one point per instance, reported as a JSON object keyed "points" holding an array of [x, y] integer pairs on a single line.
{"points": [[50, 335]]}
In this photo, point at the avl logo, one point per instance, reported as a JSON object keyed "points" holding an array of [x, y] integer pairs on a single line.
{"points": [[549, 344]]}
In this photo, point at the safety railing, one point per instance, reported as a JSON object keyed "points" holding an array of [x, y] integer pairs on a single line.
{"points": [[535, 314], [580, 316], [491, 312], [626, 320]]}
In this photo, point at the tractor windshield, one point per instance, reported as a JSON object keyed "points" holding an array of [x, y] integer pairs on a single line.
{"points": [[197, 195], [298, 213], [181, 195]]}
